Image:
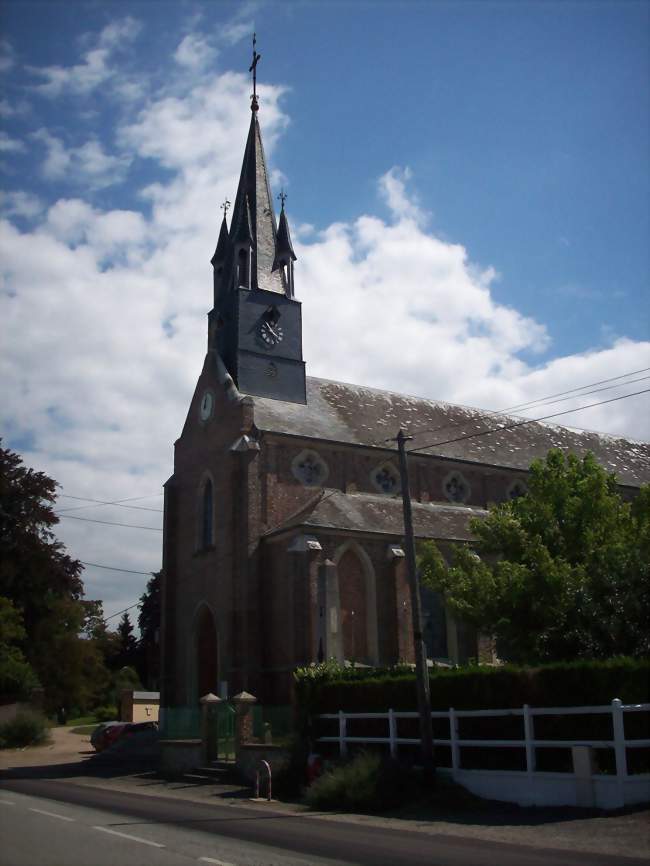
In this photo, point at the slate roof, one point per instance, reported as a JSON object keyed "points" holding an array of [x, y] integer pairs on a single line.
{"points": [[284, 247], [353, 414], [253, 203], [221, 250], [381, 514]]}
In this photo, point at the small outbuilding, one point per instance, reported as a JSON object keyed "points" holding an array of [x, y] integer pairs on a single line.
{"points": [[139, 706]]}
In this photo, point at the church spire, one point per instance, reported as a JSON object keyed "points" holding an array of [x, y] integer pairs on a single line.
{"points": [[253, 230], [284, 254], [221, 251], [255, 326]]}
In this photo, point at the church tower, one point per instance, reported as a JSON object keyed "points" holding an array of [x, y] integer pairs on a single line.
{"points": [[255, 324]]}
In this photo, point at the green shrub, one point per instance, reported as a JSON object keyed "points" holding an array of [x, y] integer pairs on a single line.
{"points": [[365, 784], [106, 714], [26, 729], [323, 689], [290, 780]]}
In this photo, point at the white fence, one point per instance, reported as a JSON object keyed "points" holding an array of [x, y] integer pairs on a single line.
{"points": [[584, 787]]}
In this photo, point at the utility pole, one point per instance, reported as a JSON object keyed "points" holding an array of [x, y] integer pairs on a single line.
{"points": [[421, 671]]}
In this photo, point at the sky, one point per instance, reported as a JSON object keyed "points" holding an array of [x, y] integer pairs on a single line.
{"points": [[468, 192]]}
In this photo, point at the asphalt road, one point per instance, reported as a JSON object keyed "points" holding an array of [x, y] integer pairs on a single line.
{"points": [[49, 823]]}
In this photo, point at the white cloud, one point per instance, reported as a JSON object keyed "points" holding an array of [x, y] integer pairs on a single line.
{"points": [[7, 109], [194, 51], [119, 34], [7, 56], [392, 187], [20, 203], [86, 164], [95, 68], [240, 26], [10, 145]]}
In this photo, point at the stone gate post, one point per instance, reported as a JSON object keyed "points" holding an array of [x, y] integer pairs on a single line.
{"points": [[206, 702], [243, 703]]}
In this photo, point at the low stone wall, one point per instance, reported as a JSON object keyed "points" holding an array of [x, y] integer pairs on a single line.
{"points": [[179, 756], [250, 755]]}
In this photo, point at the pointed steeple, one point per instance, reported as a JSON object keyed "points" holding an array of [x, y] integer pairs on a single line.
{"points": [[255, 326], [283, 245], [284, 254], [253, 221], [223, 245]]}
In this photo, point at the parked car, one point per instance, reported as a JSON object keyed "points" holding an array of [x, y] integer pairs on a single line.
{"points": [[105, 734], [108, 733], [138, 727]]}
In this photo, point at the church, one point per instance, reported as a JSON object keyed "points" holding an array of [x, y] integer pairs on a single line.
{"points": [[283, 526]]}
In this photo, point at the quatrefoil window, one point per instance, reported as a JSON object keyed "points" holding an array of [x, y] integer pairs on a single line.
{"points": [[517, 489], [385, 478], [456, 487], [310, 469]]}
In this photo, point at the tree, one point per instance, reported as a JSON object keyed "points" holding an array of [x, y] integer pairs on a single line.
{"points": [[35, 572], [44, 586], [127, 644], [563, 572], [16, 675], [149, 625], [96, 630]]}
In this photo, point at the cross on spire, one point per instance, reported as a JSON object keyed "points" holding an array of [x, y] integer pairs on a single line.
{"points": [[253, 68], [225, 207], [283, 197]]}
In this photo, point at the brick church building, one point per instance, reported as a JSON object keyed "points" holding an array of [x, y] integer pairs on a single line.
{"points": [[283, 517]]}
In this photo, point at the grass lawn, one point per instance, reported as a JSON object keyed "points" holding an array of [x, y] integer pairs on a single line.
{"points": [[81, 720], [84, 729]]}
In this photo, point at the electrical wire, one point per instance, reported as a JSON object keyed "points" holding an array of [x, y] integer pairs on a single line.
{"points": [[113, 615], [113, 568], [573, 390], [541, 401], [109, 523], [526, 421], [117, 502]]}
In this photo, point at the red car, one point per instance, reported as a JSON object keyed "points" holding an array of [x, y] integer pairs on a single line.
{"points": [[106, 734]]}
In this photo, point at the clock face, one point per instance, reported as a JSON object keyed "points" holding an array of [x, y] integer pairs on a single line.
{"points": [[270, 334], [207, 405]]}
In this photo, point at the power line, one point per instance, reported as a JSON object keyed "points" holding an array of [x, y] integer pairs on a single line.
{"points": [[117, 502], [527, 421], [113, 568], [109, 523], [548, 400], [573, 390], [130, 607]]}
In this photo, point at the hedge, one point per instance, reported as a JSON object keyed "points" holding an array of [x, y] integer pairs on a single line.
{"points": [[328, 688]]}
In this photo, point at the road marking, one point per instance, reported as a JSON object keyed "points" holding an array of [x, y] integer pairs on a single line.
{"points": [[52, 814], [7, 802], [212, 860], [129, 836]]}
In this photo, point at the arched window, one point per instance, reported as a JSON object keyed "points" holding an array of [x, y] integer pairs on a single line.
{"points": [[207, 515]]}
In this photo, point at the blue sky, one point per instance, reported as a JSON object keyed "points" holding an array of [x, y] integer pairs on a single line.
{"points": [[468, 191]]}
